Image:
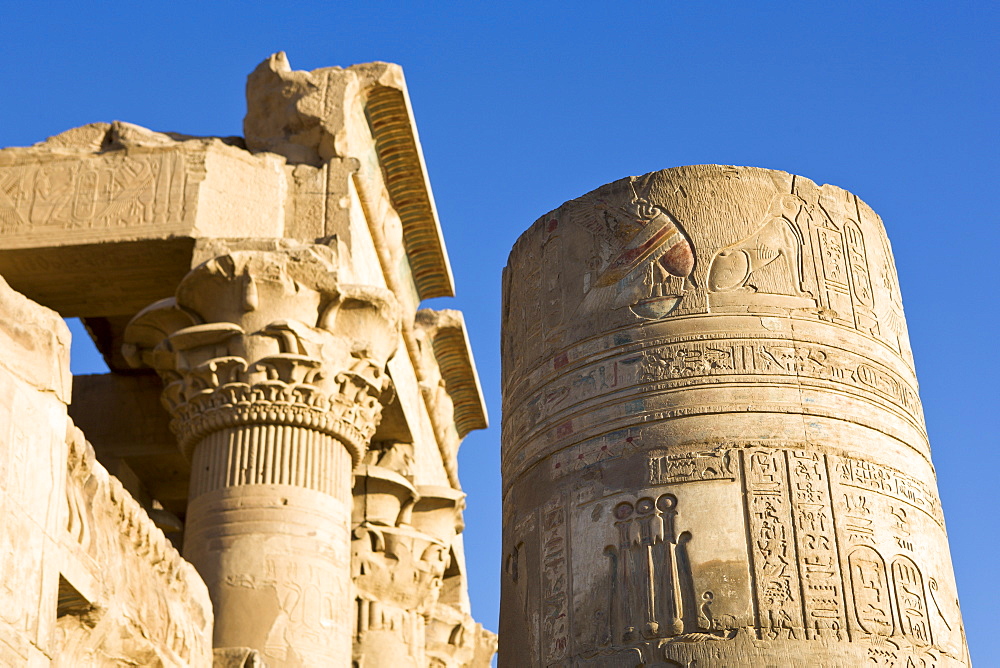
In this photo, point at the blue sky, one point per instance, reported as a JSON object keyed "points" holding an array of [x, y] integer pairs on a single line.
{"points": [[523, 106]]}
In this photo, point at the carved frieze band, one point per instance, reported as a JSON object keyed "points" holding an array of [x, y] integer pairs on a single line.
{"points": [[100, 193], [662, 364], [620, 387], [104, 522]]}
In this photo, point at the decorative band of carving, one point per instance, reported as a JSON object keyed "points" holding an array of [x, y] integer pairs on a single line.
{"points": [[348, 413], [270, 338]]}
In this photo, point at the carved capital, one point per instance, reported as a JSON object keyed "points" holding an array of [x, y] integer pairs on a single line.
{"points": [[270, 338]]}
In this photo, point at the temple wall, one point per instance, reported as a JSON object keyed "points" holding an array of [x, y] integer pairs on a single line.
{"points": [[88, 579]]}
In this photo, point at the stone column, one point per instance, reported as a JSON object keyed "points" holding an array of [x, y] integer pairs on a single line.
{"points": [[273, 375], [713, 448]]}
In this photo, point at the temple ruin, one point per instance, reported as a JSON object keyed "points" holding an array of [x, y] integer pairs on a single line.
{"points": [[268, 474], [714, 453]]}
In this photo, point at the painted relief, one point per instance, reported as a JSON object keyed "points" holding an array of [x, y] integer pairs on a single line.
{"points": [[643, 256]]}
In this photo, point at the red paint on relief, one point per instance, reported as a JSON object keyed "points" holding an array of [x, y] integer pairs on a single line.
{"points": [[679, 260], [565, 429], [560, 361]]}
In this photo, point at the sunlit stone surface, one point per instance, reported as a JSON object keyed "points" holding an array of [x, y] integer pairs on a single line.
{"points": [[714, 452], [279, 410]]}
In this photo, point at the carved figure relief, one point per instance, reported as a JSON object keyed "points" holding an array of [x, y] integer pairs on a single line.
{"points": [[640, 240], [764, 268], [650, 573]]}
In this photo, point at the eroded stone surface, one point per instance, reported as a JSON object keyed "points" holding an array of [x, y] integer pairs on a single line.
{"points": [[273, 285], [88, 579], [713, 448]]}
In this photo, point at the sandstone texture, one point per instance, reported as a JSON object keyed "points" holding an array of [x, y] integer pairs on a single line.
{"points": [[88, 579], [279, 410], [714, 452]]}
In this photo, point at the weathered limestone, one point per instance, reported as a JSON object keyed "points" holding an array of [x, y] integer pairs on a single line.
{"points": [[713, 448], [88, 580], [301, 440], [273, 374]]}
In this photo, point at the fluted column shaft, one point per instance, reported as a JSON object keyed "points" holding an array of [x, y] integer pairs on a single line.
{"points": [[273, 373], [268, 527]]}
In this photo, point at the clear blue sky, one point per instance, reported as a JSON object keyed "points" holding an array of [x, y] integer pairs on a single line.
{"points": [[523, 106]]}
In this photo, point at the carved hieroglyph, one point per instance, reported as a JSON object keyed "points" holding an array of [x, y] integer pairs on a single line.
{"points": [[713, 447], [273, 373]]}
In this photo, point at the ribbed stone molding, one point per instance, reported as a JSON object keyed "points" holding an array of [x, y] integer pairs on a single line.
{"points": [[714, 452], [274, 374]]}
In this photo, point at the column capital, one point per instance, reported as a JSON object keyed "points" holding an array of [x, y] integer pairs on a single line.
{"points": [[270, 337]]}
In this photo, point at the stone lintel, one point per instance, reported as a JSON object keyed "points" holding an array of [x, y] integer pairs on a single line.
{"points": [[362, 113]]}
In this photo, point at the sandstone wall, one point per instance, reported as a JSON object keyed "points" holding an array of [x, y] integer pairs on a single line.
{"points": [[88, 580]]}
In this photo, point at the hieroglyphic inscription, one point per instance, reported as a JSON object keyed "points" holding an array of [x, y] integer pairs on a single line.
{"points": [[659, 366], [861, 284], [815, 539], [889, 385], [691, 359], [847, 275], [911, 601], [555, 595], [834, 263], [857, 521], [870, 589], [877, 478], [706, 358], [104, 193], [772, 545], [690, 467]]}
